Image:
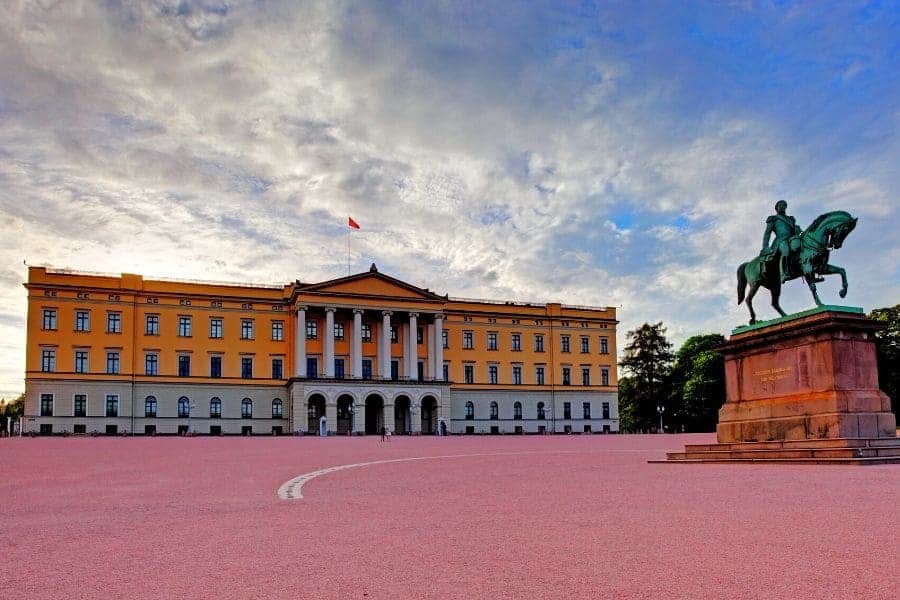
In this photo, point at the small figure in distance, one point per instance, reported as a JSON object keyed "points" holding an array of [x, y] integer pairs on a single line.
{"points": [[383, 432]]}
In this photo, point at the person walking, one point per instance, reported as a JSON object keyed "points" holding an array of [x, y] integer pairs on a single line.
{"points": [[383, 433]]}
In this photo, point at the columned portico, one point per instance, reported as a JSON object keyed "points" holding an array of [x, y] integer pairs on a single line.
{"points": [[356, 345], [328, 342], [384, 348], [300, 343]]}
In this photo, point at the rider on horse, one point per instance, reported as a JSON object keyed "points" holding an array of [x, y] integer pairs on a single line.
{"points": [[786, 239]]}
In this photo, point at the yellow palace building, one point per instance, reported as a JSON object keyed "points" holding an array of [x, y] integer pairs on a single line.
{"points": [[115, 354]]}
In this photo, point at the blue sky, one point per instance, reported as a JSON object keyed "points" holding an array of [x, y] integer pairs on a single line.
{"points": [[588, 153]]}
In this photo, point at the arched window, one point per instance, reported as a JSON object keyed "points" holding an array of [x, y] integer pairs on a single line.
{"points": [[150, 406], [277, 409], [184, 407], [470, 411], [517, 410], [246, 408], [495, 411], [540, 410], [215, 408]]}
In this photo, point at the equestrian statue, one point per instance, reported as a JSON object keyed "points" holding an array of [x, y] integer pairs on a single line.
{"points": [[794, 253]]}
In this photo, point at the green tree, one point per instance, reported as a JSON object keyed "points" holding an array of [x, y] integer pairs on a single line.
{"points": [[647, 358], [628, 405], [698, 382], [887, 346], [13, 408]]}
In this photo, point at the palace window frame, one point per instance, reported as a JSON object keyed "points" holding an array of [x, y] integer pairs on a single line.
{"points": [[216, 328], [48, 360], [113, 322], [82, 320], [185, 326], [151, 325], [277, 331], [79, 405], [151, 406], [49, 319], [82, 361], [215, 408]]}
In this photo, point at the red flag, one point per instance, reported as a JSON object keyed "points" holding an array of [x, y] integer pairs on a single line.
{"points": [[352, 223]]}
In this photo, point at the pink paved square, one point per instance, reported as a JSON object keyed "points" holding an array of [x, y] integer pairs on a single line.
{"points": [[486, 517]]}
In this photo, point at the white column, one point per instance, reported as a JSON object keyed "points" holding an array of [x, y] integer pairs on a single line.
{"points": [[429, 334], [413, 346], [328, 342], [439, 348], [300, 343], [356, 344], [385, 346]]}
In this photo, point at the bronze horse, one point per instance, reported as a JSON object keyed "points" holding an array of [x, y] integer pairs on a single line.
{"points": [[824, 234]]}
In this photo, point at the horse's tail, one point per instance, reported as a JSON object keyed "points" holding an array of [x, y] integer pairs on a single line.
{"points": [[742, 282]]}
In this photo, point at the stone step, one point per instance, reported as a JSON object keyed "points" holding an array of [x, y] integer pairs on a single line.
{"points": [[879, 460], [798, 444], [799, 453]]}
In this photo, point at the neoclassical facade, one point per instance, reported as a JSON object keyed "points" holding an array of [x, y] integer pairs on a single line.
{"points": [[353, 355]]}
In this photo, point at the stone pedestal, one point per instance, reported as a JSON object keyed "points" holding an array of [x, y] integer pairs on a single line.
{"points": [[803, 388]]}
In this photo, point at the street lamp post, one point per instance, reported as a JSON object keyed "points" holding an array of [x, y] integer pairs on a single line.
{"points": [[660, 409]]}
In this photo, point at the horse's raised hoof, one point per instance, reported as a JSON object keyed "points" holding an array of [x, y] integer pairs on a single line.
{"points": [[842, 293], [753, 321]]}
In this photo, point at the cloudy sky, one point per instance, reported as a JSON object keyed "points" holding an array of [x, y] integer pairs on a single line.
{"points": [[575, 152]]}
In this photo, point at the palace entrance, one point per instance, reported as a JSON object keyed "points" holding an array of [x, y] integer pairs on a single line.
{"points": [[401, 414], [345, 414], [429, 415], [315, 410], [374, 414]]}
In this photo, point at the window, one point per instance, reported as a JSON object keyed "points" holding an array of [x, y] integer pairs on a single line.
{"points": [[585, 344], [538, 342], [469, 371], [246, 367], [151, 364], [586, 408], [184, 365], [79, 405], [470, 411], [539, 375], [585, 376], [567, 410], [604, 376], [112, 406], [82, 320], [49, 321], [112, 363], [495, 411], [278, 330], [566, 376], [215, 328], [150, 406], [184, 326], [445, 338], [492, 340], [604, 345], [446, 372], [81, 361], [517, 411], [540, 411], [395, 370], [46, 405], [113, 322], [467, 340], [605, 409], [366, 332], [277, 368], [516, 344], [151, 326], [564, 343], [277, 409], [312, 329], [246, 329], [517, 375], [184, 407], [312, 366], [48, 361], [367, 368], [339, 368], [393, 334], [215, 366], [338, 331], [215, 408], [246, 408], [492, 373], [420, 335]]}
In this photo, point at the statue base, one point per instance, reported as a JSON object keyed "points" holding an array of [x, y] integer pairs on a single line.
{"points": [[803, 388]]}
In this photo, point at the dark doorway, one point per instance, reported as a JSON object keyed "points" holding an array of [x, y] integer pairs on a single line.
{"points": [[315, 410], [429, 415], [374, 414], [402, 414], [345, 414]]}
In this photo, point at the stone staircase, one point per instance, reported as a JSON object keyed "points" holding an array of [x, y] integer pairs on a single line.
{"points": [[831, 451]]}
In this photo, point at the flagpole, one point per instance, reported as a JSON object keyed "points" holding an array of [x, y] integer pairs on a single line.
{"points": [[349, 231]]}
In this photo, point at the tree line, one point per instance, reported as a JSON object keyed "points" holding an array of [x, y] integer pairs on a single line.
{"points": [[688, 385]]}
